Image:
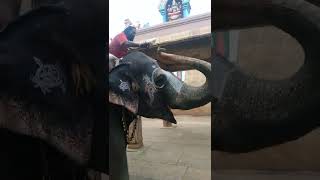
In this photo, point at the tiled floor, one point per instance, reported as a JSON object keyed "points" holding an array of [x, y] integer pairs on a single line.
{"points": [[179, 153]]}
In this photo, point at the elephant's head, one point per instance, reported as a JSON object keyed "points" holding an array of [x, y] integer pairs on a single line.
{"points": [[138, 83]]}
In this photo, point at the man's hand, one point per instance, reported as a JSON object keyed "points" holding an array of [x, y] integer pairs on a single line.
{"points": [[145, 45]]}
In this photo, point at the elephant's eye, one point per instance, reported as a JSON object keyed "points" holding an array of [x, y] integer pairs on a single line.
{"points": [[160, 80], [135, 86]]}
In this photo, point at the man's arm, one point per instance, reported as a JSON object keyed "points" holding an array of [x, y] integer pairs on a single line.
{"points": [[129, 44]]}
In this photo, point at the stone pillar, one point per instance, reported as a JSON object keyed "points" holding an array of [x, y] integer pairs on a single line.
{"points": [[137, 139]]}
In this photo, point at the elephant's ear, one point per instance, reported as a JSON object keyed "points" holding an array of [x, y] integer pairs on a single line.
{"points": [[113, 62], [120, 88]]}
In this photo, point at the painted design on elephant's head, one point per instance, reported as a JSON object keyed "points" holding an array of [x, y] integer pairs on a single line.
{"points": [[150, 88], [124, 85], [48, 76]]}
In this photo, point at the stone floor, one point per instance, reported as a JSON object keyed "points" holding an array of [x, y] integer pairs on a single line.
{"points": [[179, 153]]}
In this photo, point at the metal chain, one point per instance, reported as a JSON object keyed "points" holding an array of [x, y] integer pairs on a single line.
{"points": [[128, 138], [134, 129], [124, 125]]}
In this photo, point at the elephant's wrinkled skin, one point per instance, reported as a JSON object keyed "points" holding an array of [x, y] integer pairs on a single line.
{"points": [[251, 113]]}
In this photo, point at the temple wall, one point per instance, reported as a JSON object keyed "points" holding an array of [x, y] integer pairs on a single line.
{"points": [[272, 54]]}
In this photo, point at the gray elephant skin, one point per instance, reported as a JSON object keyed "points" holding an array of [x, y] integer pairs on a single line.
{"points": [[250, 113]]}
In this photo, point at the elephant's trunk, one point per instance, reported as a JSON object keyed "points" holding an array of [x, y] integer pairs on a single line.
{"points": [[251, 110], [181, 95]]}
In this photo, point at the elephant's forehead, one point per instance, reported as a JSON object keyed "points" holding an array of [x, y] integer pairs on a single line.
{"points": [[145, 69]]}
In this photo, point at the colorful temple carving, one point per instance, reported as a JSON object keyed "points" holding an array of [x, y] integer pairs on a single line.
{"points": [[174, 9]]}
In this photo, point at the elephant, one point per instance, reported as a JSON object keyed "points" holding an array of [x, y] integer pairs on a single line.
{"points": [[138, 85], [252, 113], [53, 108]]}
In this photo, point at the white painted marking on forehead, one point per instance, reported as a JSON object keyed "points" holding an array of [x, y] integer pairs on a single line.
{"points": [[48, 76], [124, 85]]}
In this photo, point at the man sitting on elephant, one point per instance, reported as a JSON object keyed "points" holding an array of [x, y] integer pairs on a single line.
{"points": [[121, 42]]}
